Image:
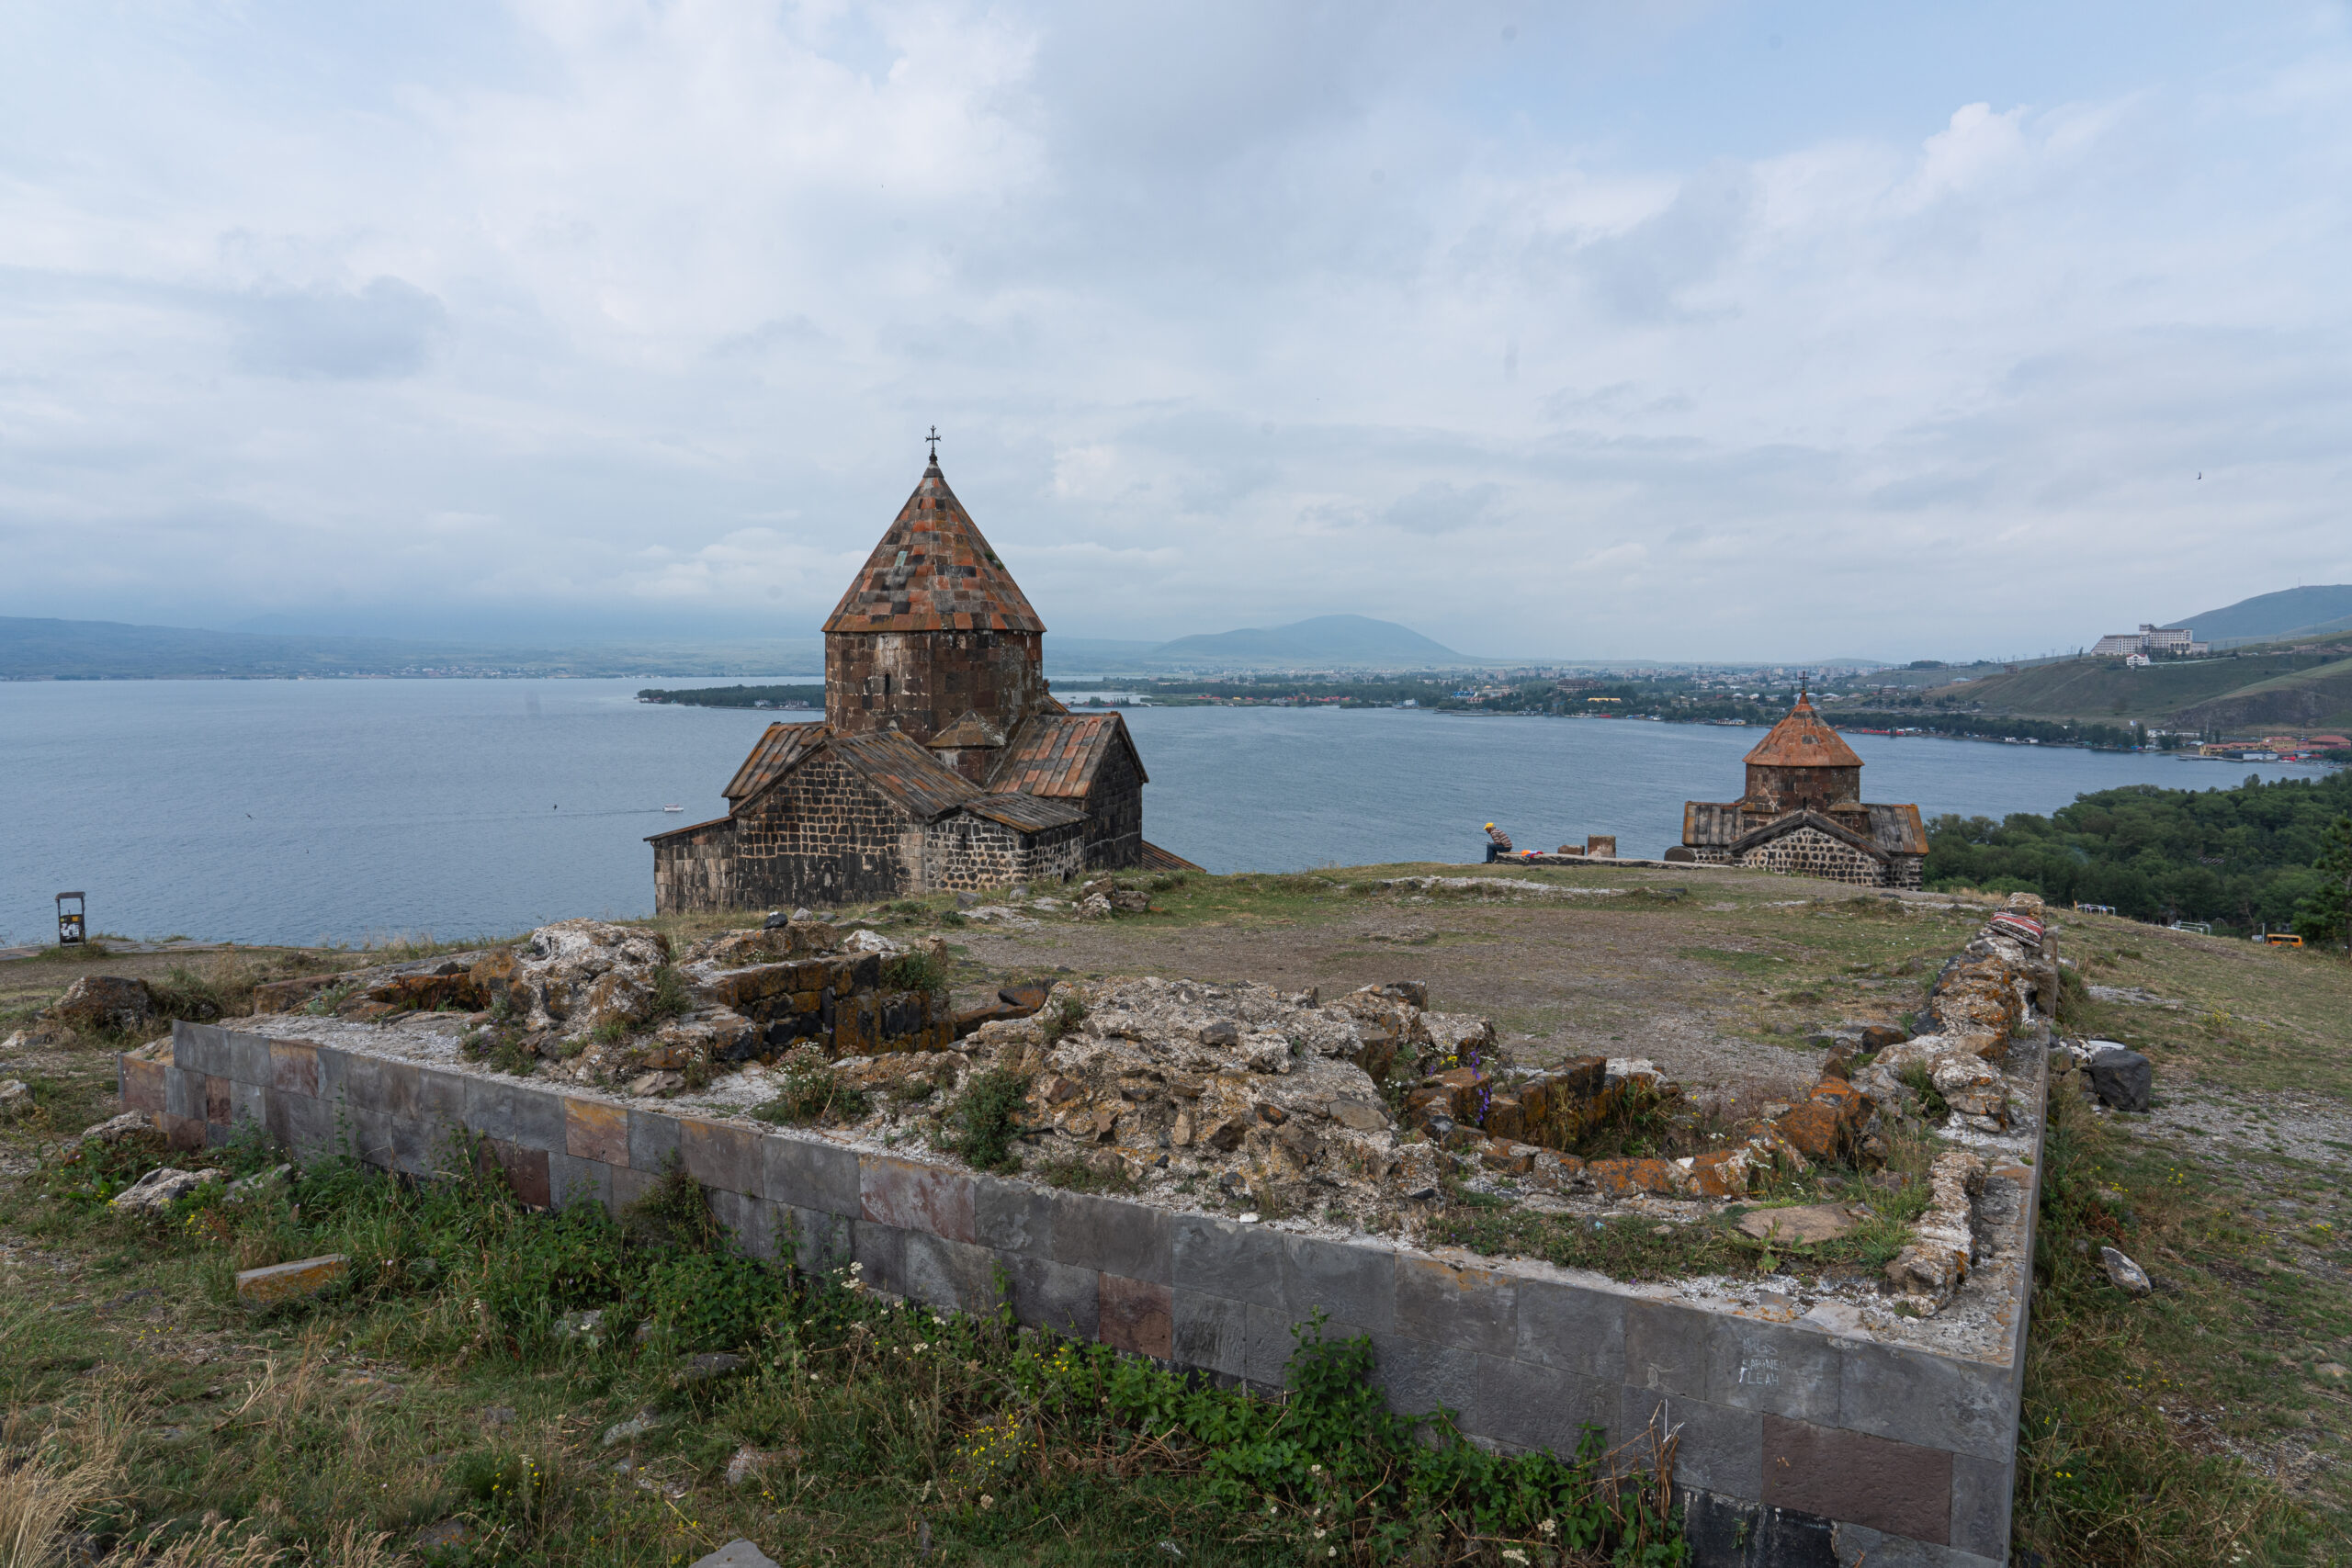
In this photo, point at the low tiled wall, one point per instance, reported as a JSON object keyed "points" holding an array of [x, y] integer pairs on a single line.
{"points": [[1799, 1447]]}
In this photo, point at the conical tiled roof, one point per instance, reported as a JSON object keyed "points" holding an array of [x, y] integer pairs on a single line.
{"points": [[1802, 741], [933, 572]]}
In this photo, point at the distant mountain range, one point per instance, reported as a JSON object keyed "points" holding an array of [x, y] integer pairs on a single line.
{"points": [[1321, 642], [34, 648], [2273, 617]]}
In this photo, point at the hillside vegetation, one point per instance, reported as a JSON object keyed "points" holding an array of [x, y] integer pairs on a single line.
{"points": [[2305, 687], [2239, 858]]}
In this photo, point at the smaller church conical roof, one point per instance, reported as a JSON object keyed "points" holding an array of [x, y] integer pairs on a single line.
{"points": [[1802, 741], [933, 572]]}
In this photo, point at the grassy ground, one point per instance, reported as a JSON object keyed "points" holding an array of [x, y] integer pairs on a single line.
{"points": [[2205, 1424]]}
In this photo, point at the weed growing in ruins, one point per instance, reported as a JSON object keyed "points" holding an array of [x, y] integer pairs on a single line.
{"points": [[1076, 1173], [981, 1125], [326, 1001], [810, 1091], [916, 971], [1930, 1099], [670, 998], [1059, 1018]]}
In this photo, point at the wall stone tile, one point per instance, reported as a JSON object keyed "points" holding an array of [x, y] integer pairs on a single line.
{"points": [[880, 1252], [572, 1179], [1417, 1375], [744, 1220], [302, 1123], [630, 1185], [1777, 1367], [1014, 1217], [1353, 1284], [374, 1137], [249, 1060], [293, 1066], [593, 1130], [720, 1157], [1474, 1308], [183, 1093], [140, 1085], [1540, 1407], [1980, 1494], [652, 1141], [1667, 1347], [1899, 1488], [203, 1047], [1893, 1390], [219, 1101], [1242, 1263], [1137, 1316], [501, 1108], [525, 1169], [1266, 1344], [1208, 1332], [907, 1193], [441, 1094], [1719, 1450], [1131, 1240], [810, 1174], [819, 1240], [332, 1075], [1057, 1296], [248, 1105], [181, 1132], [1859, 1545], [1734, 1532]]}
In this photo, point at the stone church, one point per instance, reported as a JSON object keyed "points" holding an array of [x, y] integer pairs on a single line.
{"points": [[943, 761], [1804, 813]]}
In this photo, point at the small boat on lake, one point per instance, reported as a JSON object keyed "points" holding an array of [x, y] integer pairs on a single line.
{"points": [[673, 808]]}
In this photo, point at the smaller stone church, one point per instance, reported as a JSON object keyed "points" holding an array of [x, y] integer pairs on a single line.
{"points": [[943, 761], [1804, 813]]}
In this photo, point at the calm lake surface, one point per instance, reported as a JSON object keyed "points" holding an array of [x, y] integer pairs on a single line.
{"points": [[292, 811]]}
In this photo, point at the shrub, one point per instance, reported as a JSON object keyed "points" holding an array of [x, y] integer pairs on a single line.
{"points": [[1059, 1018], [980, 1127], [918, 971], [811, 1091]]}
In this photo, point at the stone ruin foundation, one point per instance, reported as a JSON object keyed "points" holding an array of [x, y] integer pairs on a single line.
{"points": [[1272, 1154]]}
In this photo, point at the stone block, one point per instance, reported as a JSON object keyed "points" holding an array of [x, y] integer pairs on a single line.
{"points": [[1891, 1390], [1353, 1284], [1131, 1240], [220, 1102], [249, 1058], [525, 1169], [248, 1104], [1668, 1348], [142, 1084], [1717, 1449], [652, 1141], [808, 1173], [596, 1131], [420, 1146], [1056, 1296], [372, 1138], [719, 1156], [1137, 1316], [1859, 1545], [1540, 1407], [286, 1282], [334, 1072], [1420, 1377], [1014, 1217], [203, 1048], [1572, 1328], [1768, 1366], [1738, 1533], [182, 1092], [2122, 1079], [914, 1196], [1631, 1177], [1242, 1263], [1898, 1488], [1208, 1332], [880, 1253], [441, 1094], [1980, 1494], [630, 1185], [303, 1124], [180, 1132], [953, 1276], [293, 1067], [817, 1240], [743, 1219], [1267, 1342], [1457, 1304], [499, 1108], [573, 1179]]}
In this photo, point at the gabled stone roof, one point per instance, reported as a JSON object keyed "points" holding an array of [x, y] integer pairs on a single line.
{"points": [[1027, 812], [1060, 754], [908, 774], [1802, 741], [772, 757], [933, 571]]}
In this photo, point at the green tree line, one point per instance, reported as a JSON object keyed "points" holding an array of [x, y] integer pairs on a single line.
{"points": [[2276, 856]]}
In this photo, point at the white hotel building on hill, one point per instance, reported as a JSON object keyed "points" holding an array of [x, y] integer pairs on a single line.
{"points": [[2148, 639]]}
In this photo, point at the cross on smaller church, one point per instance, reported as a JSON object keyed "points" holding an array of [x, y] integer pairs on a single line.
{"points": [[934, 439]]}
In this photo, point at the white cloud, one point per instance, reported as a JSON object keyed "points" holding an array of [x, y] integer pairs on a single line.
{"points": [[1229, 315]]}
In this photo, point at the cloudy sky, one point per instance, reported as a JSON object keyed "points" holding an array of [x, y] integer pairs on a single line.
{"points": [[1680, 329]]}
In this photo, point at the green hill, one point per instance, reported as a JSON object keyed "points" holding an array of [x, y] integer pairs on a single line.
{"points": [[2309, 688], [2275, 617]]}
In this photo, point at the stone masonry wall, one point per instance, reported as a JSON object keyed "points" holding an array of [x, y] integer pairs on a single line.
{"points": [[821, 836], [926, 680], [1809, 851], [1114, 816], [968, 852], [1800, 1446]]}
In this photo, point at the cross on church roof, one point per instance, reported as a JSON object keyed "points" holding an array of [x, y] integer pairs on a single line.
{"points": [[934, 439]]}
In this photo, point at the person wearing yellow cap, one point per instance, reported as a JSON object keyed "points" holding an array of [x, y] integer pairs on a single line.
{"points": [[1498, 843]]}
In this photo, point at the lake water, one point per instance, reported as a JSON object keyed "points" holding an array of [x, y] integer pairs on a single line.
{"points": [[292, 811]]}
